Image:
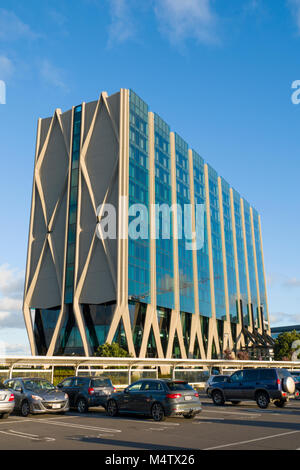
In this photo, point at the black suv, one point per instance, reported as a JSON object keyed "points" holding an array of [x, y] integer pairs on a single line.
{"points": [[87, 391], [261, 385]]}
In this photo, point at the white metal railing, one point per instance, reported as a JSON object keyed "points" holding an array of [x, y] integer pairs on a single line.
{"points": [[130, 365]]}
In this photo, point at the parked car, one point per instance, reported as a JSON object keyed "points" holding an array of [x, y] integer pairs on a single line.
{"points": [[213, 379], [296, 377], [33, 395], [87, 391], [7, 401], [156, 398], [260, 385]]}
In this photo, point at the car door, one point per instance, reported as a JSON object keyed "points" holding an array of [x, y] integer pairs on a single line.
{"points": [[233, 388], [67, 386], [251, 378], [131, 398], [18, 391], [151, 391]]}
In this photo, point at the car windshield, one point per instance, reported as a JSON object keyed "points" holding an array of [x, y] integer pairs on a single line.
{"points": [[38, 384], [179, 386], [101, 383]]}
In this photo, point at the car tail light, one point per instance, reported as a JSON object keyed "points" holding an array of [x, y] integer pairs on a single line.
{"points": [[297, 394], [173, 395], [278, 381], [114, 391], [283, 394], [91, 391], [12, 397], [196, 394]]}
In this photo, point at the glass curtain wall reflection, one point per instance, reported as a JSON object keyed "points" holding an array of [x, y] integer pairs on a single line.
{"points": [[216, 244], [202, 253], [260, 268], [139, 249], [186, 287]]}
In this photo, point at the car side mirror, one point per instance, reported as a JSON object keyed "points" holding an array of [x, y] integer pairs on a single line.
{"points": [[59, 385], [126, 390]]}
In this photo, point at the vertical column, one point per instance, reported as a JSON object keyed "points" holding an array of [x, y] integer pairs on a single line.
{"points": [[195, 326], [227, 328], [246, 264], [240, 338], [151, 316], [213, 334], [175, 316], [264, 274], [255, 268]]}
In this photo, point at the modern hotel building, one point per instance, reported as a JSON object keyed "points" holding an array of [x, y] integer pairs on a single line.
{"points": [[154, 295]]}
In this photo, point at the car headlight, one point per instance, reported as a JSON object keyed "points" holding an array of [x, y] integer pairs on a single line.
{"points": [[36, 397], [66, 396]]}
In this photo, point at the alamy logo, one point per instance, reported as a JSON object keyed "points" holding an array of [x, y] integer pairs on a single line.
{"points": [[2, 92], [296, 95], [139, 215]]}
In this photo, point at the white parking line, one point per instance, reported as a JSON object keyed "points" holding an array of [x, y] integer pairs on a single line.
{"points": [[77, 426], [232, 413], [33, 437], [251, 440]]}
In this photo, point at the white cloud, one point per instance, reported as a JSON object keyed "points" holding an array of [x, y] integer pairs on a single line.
{"points": [[182, 19], [6, 67], [12, 28], [122, 26], [52, 75], [284, 319], [295, 9], [11, 292], [14, 349], [292, 282]]}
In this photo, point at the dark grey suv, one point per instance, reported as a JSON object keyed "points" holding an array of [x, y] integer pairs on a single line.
{"points": [[261, 385], [156, 398], [88, 391]]}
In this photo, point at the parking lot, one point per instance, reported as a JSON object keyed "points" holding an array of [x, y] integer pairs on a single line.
{"points": [[242, 427]]}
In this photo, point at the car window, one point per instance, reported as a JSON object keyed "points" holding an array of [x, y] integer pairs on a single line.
{"points": [[9, 384], [67, 382], [251, 375], [80, 382], [101, 383], [219, 378], [237, 376], [135, 387], [179, 386], [148, 386], [38, 384], [267, 374], [282, 373]]}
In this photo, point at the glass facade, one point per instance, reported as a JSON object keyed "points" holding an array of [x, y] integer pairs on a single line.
{"points": [[202, 253], [216, 244], [185, 255], [251, 266], [241, 258], [44, 324], [260, 267], [97, 319], [163, 196], [73, 199], [139, 249], [164, 320], [69, 340], [229, 248]]}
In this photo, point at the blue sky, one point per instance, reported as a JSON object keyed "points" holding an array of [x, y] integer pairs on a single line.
{"points": [[219, 72]]}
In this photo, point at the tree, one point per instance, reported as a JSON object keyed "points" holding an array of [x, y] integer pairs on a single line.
{"points": [[228, 354], [111, 350], [242, 355], [283, 345]]}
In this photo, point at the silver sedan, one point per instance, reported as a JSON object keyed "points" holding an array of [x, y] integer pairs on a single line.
{"points": [[7, 401]]}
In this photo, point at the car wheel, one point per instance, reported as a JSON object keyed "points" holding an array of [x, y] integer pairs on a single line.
{"points": [[25, 409], [235, 402], [280, 403], [4, 416], [82, 406], [218, 398], [112, 408], [157, 412], [262, 400]]}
